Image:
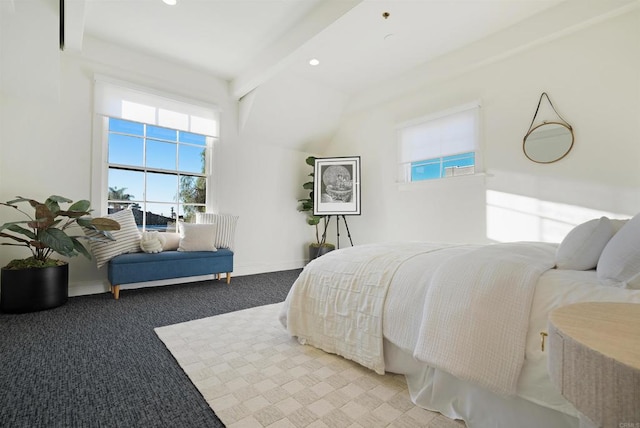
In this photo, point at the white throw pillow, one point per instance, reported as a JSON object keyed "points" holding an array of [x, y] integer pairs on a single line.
{"points": [[581, 248], [172, 241], [152, 241], [127, 239], [197, 237], [620, 260], [225, 227]]}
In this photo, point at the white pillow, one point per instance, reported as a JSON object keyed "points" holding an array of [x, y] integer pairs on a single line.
{"points": [[152, 241], [127, 239], [581, 248], [172, 241], [225, 227], [620, 260], [197, 237]]}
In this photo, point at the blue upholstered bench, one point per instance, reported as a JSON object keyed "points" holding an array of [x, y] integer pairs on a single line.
{"points": [[141, 267]]}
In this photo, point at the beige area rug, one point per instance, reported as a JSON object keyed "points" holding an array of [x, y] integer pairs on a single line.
{"points": [[253, 374]]}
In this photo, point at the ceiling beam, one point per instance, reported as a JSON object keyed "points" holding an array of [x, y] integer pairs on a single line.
{"points": [[282, 52]]}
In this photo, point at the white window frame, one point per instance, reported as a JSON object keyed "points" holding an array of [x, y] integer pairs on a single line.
{"points": [[100, 160], [404, 166]]}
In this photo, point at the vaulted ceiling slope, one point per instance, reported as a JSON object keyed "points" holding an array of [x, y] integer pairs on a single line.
{"points": [[388, 45]]}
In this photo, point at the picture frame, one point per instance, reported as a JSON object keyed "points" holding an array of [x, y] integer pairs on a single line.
{"points": [[336, 186]]}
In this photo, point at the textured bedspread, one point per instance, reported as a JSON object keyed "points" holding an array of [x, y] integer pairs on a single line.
{"points": [[467, 307], [337, 302]]}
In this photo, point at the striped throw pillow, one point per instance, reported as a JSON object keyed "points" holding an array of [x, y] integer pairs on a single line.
{"points": [[225, 227], [127, 239]]}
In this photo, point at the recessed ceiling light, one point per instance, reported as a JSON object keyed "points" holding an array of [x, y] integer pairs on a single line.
{"points": [[314, 61], [170, 2]]}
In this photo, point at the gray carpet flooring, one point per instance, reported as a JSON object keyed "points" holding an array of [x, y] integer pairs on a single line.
{"points": [[96, 362]]}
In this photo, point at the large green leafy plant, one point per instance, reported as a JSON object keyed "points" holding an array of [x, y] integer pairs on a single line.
{"points": [[49, 230], [306, 205]]}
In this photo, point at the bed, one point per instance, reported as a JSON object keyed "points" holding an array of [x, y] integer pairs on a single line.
{"points": [[463, 322]]}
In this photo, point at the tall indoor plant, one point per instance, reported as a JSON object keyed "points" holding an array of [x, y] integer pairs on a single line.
{"points": [[321, 246], [40, 281]]}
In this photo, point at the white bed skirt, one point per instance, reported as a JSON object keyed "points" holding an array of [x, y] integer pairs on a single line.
{"points": [[436, 390]]}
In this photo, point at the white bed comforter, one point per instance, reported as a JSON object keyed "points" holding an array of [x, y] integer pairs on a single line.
{"points": [[468, 315], [337, 302]]}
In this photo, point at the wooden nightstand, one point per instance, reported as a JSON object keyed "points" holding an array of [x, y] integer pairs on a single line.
{"points": [[594, 358]]}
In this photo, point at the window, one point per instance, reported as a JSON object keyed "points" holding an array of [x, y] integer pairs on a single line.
{"points": [[155, 155], [158, 172], [440, 145]]}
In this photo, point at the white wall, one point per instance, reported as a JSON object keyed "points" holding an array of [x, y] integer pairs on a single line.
{"points": [[46, 110], [593, 79]]}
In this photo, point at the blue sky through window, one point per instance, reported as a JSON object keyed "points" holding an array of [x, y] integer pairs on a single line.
{"points": [[430, 169], [166, 152]]}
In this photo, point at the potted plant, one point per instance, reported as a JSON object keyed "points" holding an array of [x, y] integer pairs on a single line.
{"points": [[40, 281], [320, 247]]}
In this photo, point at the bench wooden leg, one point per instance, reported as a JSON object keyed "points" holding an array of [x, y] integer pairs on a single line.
{"points": [[228, 277], [115, 290]]}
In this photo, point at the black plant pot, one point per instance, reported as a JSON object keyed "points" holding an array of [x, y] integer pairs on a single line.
{"points": [[34, 289], [316, 251]]}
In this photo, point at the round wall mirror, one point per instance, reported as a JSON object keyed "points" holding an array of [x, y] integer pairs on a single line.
{"points": [[548, 142]]}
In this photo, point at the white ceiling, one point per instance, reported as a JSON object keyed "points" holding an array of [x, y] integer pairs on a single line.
{"points": [[250, 41]]}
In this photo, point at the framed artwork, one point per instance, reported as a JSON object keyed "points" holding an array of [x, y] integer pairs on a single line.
{"points": [[336, 186]]}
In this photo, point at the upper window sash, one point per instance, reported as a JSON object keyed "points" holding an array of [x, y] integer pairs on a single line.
{"points": [[181, 143]]}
